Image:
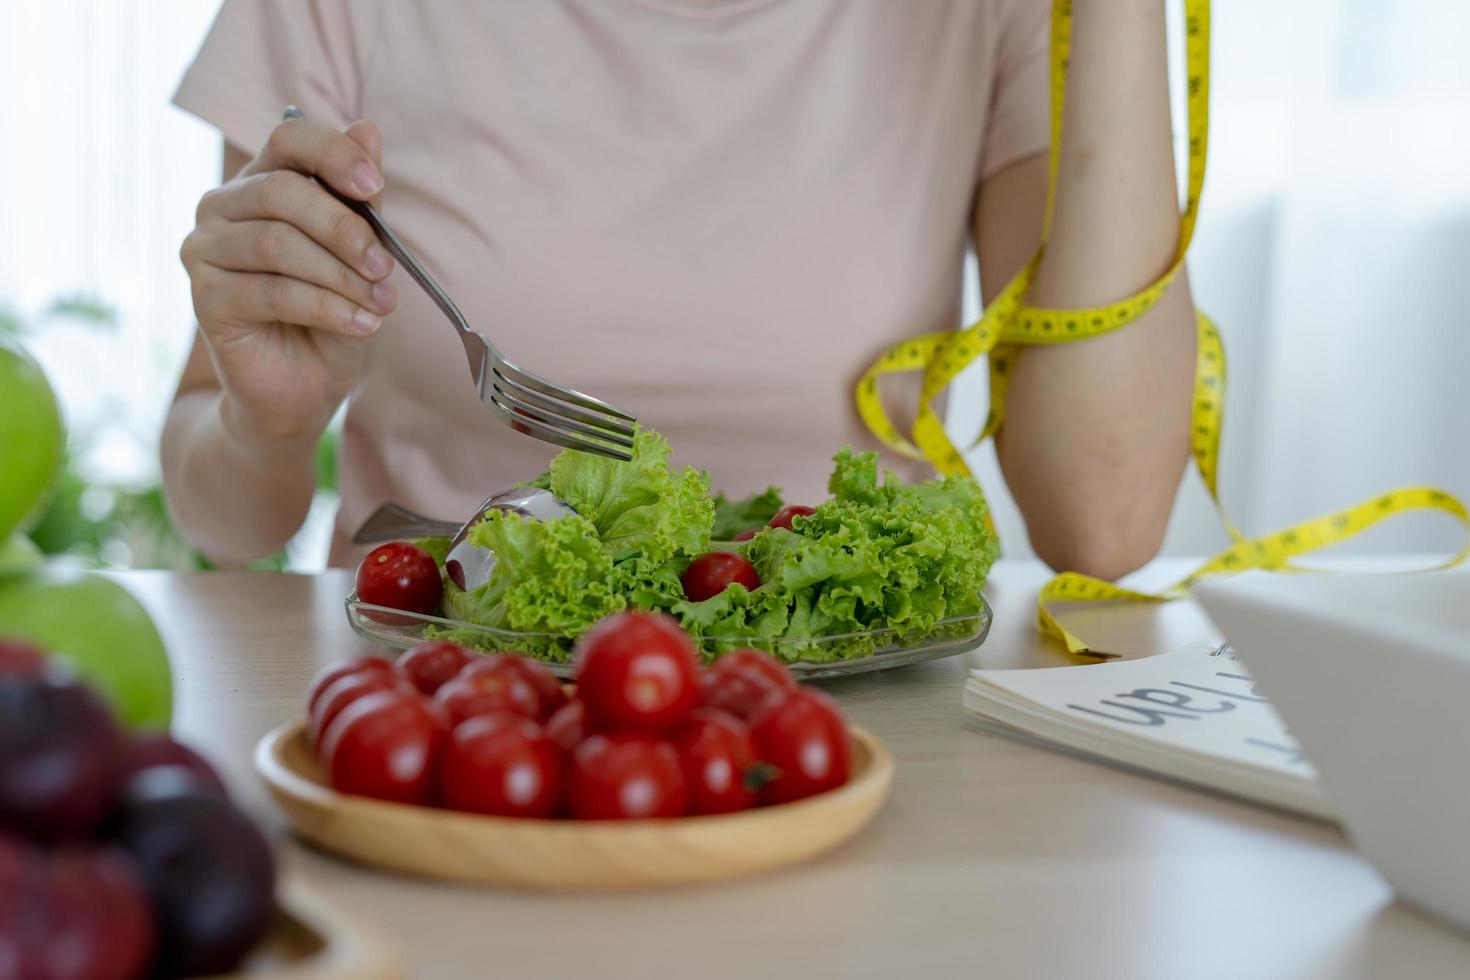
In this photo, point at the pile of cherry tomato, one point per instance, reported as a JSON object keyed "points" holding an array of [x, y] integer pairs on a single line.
{"points": [[647, 733]]}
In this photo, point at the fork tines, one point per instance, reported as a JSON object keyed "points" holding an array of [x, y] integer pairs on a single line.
{"points": [[558, 415]]}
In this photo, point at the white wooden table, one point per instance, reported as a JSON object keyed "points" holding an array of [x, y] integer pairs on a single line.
{"points": [[991, 859]]}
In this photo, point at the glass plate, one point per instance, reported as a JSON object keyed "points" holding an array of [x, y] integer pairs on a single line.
{"points": [[809, 657]]}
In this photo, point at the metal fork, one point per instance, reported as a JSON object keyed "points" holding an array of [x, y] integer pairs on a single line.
{"points": [[527, 402], [393, 522]]}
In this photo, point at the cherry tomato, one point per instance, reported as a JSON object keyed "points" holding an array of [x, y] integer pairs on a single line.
{"points": [[801, 733], [502, 764], [430, 665], [717, 754], [747, 535], [387, 746], [20, 658], [486, 685], [400, 576], [347, 689], [626, 776], [637, 672], [757, 661], [740, 692], [340, 668], [568, 726], [710, 574], [785, 514], [547, 684]]}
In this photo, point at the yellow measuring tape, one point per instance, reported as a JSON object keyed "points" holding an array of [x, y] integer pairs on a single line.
{"points": [[1009, 323]]}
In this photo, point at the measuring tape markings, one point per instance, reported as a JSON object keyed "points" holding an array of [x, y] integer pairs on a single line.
{"points": [[1007, 324]]}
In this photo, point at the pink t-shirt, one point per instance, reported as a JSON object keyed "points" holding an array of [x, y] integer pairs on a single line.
{"points": [[712, 214]]}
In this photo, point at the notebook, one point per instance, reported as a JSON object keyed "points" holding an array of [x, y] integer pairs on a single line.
{"points": [[1193, 715]]}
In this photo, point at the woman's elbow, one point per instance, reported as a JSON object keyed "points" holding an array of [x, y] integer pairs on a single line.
{"points": [[1105, 543]]}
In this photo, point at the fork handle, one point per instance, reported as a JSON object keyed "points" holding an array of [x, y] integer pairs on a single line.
{"points": [[396, 248], [392, 522]]}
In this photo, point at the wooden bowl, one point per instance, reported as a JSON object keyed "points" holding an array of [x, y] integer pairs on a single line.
{"points": [[310, 939], [571, 854]]}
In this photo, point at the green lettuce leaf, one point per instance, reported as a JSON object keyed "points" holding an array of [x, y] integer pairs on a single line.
{"points": [[437, 548], [551, 577], [880, 555], [874, 557], [640, 506], [855, 478], [735, 516], [638, 525]]}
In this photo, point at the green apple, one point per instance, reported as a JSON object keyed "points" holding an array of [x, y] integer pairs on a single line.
{"points": [[19, 555], [31, 437], [97, 628]]}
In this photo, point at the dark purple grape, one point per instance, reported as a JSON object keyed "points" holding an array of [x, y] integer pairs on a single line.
{"points": [[153, 749], [20, 883], [59, 749], [78, 913], [207, 868]]}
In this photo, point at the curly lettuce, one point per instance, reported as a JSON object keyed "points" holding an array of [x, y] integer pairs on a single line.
{"points": [[879, 555], [637, 525], [550, 577], [640, 507], [734, 516], [876, 556]]}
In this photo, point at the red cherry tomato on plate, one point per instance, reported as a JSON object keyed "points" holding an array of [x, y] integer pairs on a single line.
{"points": [[347, 689], [785, 514], [568, 726], [755, 661], [547, 684], [746, 535], [637, 672], [340, 668], [717, 754], [626, 776], [400, 576], [387, 746], [740, 692], [713, 572], [430, 665], [501, 764], [801, 733], [487, 685]]}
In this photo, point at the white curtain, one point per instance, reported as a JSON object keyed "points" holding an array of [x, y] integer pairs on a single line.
{"points": [[1333, 246], [98, 184]]}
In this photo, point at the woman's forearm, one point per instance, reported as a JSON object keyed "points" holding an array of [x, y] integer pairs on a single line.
{"points": [[1096, 435], [1116, 222], [234, 497]]}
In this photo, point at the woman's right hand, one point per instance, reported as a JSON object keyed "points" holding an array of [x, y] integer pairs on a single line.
{"points": [[287, 280]]}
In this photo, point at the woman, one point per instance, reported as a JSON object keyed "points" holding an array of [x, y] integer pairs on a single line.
{"points": [[714, 213]]}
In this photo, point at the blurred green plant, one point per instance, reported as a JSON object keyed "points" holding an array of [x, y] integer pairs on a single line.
{"points": [[109, 523], [77, 307]]}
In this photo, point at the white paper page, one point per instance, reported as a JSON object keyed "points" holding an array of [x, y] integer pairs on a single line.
{"points": [[1188, 699]]}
